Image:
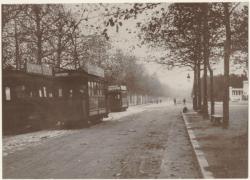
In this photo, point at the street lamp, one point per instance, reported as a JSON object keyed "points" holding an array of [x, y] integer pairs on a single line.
{"points": [[188, 77]]}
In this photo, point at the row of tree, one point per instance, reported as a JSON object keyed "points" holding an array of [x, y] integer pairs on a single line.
{"points": [[124, 69], [45, 34], [52, 34], [198, 35]]}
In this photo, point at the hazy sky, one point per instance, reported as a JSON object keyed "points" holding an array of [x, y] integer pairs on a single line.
{"points": [[127, 40]]}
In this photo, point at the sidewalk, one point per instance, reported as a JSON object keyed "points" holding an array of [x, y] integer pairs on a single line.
{"points": [[221, 153]]}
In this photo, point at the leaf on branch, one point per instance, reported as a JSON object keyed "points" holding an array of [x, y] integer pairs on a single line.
{"points": [[111, 22], [126, 16], [104, 31]]}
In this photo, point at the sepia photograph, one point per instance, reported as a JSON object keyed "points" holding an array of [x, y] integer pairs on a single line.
{"points": [[128, 90]]}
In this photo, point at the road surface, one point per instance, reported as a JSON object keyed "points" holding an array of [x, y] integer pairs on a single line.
{"points": [[152, 143]]}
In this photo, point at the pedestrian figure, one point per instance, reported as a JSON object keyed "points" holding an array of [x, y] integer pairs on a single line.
{"points": [[184, 101], [174, 101]]}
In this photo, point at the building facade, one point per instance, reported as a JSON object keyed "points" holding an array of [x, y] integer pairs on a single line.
{"points": [[239, 94]]}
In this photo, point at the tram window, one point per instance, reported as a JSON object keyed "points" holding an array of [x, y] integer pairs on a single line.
{"points": [[60, 92], [50, 95], [7, 93], [70, 93], [20, 91], [92, 89], [40, 93], [89, 90], [118, 96], [82, 89], [99, 89], [95, 88], [44, 91]]}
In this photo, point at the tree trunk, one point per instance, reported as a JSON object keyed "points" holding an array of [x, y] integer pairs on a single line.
{"points": [[199, 98], [226, 66], [59, 45], [36, 9], [211, 90], [17, 52], [206, 58], [76, 58], [199, 60], [194, 94], [59, 52]]}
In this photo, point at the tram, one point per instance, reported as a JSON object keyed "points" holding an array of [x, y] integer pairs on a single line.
{"points": [[117, 98], [41, 97]]}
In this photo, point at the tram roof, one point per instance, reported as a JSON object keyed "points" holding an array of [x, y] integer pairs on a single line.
{"points": [[44, 70]]}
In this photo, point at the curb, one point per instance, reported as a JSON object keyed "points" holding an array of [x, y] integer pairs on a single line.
{"points": [[200, 156]]}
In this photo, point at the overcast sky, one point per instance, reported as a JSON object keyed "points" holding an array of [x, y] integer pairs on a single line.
{"points": [[127, 40]]}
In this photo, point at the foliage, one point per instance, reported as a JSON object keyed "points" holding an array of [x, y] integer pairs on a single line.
{"points": [[53, 34], [124, 69], [236, 81]]}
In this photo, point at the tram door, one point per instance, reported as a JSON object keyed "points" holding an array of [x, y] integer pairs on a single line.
{"points": [[83, 91]]}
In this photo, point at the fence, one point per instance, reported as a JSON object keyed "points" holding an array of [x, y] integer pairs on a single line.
{"points": [[137, 99]]}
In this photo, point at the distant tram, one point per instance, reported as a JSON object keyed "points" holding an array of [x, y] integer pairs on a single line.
{"points": [[117, 98], [44, 98]]}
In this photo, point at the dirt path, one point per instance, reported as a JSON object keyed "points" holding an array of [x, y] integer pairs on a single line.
{"points": [[151, 144]]}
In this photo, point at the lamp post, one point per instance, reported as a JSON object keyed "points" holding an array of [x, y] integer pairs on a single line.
{"points": [[188, 78]]}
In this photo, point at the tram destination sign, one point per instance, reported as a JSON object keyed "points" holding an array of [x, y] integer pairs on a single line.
{"points": [[62, 74], [117, 87], [124, 88], [94, 70], [42, 69]]}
